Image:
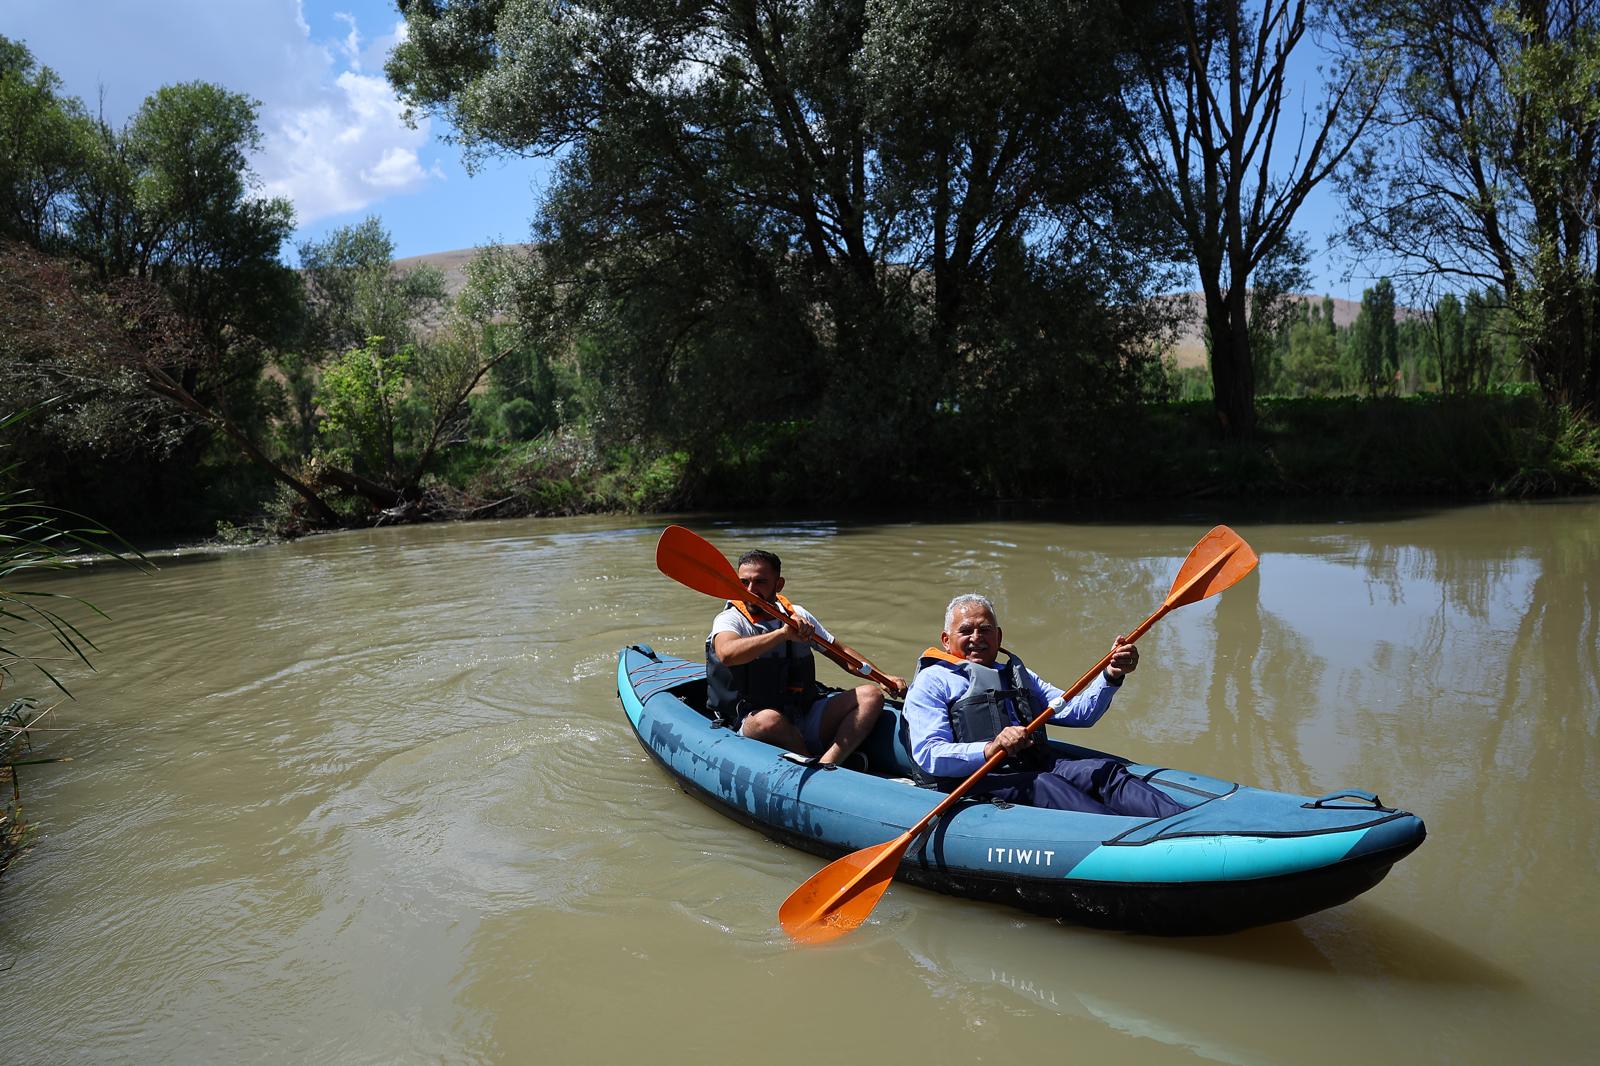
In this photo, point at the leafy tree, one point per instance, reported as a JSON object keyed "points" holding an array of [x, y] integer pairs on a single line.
{"points": [[1417, 364], [110, 347], [359, 393], [1488, 169], [1305, 351], [355, 293], [106, 229], [801, 213], [168, 200], [1311, 366], [354, 297], [44, 138], [1214, 86], [1448, 335], [529, 391], [387, 412], [1491, 340], [206, 237]]}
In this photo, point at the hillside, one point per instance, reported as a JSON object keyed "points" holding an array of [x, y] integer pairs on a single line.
{"points": [[1189, 348], [454, 264]]}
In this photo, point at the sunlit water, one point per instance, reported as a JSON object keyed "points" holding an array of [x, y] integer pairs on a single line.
{"points": [[370, 798]]}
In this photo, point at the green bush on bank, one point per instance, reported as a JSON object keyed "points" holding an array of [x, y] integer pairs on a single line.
{"points": [[1490, 445], [1505, 443]]}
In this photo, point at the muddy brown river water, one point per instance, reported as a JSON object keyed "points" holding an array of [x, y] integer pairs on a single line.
{"points": [[370, 798]]}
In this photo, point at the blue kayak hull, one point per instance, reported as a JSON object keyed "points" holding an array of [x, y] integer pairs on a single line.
{"points": [[1237, 857]]}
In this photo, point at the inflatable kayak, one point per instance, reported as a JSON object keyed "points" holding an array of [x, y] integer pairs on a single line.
{"points": [[1235, 857]]}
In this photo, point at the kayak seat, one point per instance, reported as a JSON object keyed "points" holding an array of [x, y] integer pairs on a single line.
{"points": [[885, 745]]}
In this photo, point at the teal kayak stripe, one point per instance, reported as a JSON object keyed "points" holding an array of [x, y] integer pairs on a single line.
{"points": [[1214, 858], [630, 702]]}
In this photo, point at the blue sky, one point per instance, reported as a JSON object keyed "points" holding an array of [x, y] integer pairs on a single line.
{"points": [[334, 143]]}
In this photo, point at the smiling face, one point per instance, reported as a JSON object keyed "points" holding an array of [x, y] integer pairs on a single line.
{"points": [[972, 634]]}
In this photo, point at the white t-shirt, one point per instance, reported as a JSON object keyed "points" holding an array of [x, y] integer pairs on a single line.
{"points": [[732, 621]]}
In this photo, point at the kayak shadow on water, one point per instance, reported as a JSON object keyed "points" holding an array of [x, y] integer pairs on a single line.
{"points": [[1208, 995], [1356, 940], [1365, 940]]}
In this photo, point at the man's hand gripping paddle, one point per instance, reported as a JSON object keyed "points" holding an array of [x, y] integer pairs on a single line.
{"points": [[842, 894], [691, 560]]}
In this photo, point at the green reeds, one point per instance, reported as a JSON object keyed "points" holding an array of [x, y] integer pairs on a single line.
{"points": [[35, 539]]}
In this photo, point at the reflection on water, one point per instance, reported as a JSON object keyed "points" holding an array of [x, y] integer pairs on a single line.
{"points": [[370, 797]]}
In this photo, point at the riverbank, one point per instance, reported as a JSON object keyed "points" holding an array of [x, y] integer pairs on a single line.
{"points": [[1472, 448], [1462, 449], [1487, 446]]}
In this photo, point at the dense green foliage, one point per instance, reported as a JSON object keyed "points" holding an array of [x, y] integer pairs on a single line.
{"points": [[1504, 443], [164, 204], [1454, 348], [1487, 172], [822, 253], [848, 226]]}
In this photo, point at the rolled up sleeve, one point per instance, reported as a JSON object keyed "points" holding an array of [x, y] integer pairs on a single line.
{"points": [[1083, 710]]}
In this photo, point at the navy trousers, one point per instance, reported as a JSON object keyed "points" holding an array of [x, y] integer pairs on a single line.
{"points": [[1093, 786]]}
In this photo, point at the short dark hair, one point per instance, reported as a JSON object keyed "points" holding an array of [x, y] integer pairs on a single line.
{"points": [[757, 555]]}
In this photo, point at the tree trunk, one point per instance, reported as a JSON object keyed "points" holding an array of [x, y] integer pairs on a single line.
{"points": [[1233, 378], [160, 382], [374, 492], [442, 418]]}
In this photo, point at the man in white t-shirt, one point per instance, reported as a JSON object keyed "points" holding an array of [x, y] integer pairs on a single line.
{"points": [[761, 675]]}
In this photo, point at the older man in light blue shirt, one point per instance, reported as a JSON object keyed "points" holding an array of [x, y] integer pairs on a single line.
{"points": [[963, 708]]}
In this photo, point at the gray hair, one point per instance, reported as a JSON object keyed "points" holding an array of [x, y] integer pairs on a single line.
{"points": [[967, 599]]}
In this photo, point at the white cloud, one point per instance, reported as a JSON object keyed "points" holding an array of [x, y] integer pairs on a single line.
{"points": [[351, 45], [398, 168], [348, 148], [333, 140], [344, 152]]}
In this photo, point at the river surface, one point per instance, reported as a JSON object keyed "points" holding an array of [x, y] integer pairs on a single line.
{"points": [[370, 798]]}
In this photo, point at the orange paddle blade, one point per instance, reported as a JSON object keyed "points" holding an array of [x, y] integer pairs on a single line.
{"points": [[1220, 559], [841, 895], [839, 898], [691, 560]]}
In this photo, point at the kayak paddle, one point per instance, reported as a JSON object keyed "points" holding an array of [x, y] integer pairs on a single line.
{"points": [[839, 897], [691, 560]]}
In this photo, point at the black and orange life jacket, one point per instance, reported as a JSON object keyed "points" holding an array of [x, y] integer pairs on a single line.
{"points": [[784, 678], [996, 696]]}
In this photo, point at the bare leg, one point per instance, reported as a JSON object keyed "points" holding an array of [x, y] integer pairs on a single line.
{"points": [[771, 726], [847, 719]]}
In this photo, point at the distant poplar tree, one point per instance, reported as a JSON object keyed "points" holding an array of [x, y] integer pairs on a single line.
{"points": [[1377, 339]]}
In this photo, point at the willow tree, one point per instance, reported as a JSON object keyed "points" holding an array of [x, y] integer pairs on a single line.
{"points": [[825, 202], [1215, 89]]}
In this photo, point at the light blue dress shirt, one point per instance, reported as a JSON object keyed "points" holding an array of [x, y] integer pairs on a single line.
{"points": [[938, 686]]}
